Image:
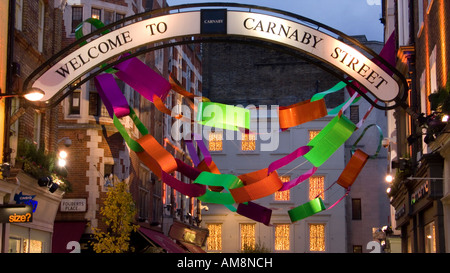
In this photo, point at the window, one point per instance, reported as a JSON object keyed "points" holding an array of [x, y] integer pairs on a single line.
{"points": [[108, 171], [77, 17], [27, 240], [37, 128], [430, 238], [313, 134], [96, 14], [74, 102], [356, 209], [109, 17], [247, 236], [433, 76], [282, 237], [357, 249], [316, 237], [214, 241], [18, 18], [248, 142], [354, 113], [316, 186], [96, 107], [283, 195], [144, 193], [41, 22], [215, 141]]}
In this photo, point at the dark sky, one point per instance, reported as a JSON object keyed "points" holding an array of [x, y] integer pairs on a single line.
{"points": [[352, 17]]}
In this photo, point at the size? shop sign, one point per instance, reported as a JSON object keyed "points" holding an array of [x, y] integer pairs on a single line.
{"points": [[16, 214], [227, 23]]}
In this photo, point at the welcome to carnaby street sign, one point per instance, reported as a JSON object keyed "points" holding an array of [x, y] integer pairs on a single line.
{"points": [[222, 22]]}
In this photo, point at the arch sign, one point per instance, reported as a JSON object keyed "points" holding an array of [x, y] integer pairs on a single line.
{"points": [[209, 184], [212, 22]]}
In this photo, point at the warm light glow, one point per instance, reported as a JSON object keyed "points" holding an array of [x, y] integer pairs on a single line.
{"points": [[63, 154], [389, 178], [248, 236], [214, 241], [34, 94], [443, 36], [61, 162], [215, 141], [445, 118], [316, 237], [316, 186], [248, 142], [283, 195], [313, 134], [388, 190], [282, 241]]}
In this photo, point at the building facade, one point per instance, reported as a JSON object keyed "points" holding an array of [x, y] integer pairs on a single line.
{"points": [[34, 35], [249, 75], [418, 159]]}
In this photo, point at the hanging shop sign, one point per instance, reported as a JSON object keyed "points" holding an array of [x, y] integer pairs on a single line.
{"points": [[21, 198], [421, 192], [15, 213], [73, 205], [222, 22]]}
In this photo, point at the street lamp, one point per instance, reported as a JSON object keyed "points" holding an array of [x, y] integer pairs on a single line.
{"points": [[62, 155], [33, 94]]}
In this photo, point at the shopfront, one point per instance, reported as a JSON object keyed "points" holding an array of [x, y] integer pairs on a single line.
{"points": [[419, 211], [29, 232]]}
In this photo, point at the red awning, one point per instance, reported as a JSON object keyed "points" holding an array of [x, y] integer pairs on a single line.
{"points": [[192, 248], [64, 232], [163, 241]]}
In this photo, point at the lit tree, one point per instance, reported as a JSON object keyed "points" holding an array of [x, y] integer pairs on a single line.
{"points": [[118, 211]]}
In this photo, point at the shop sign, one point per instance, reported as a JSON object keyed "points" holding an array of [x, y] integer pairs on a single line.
{"points": [[16, 214], [26, 200], [420, 193], [219, 22], [400, 212], [73, 205]]}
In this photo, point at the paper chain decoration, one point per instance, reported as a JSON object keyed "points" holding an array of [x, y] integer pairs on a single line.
{"points": [[209, 185]]}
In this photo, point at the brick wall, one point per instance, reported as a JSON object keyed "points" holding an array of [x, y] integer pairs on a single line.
{"points": [[248, 74]]}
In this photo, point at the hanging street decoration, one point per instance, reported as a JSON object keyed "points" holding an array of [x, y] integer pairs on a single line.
{"points": [[237, 193]]}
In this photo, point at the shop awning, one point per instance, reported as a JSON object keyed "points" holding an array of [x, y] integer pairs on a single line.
{"points": [[64, 232], [192, 248], [163, 241]]}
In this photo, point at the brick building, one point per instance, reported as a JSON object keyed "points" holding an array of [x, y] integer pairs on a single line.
{"points": [[99, 157], [419, 192], [36, 36]]}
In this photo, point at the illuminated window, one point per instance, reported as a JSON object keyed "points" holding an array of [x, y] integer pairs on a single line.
{"points": [[316, 187], [247, 236], [313, 133], [283, 195], [248, 142], [214, 241], [430, 238], [282, 241], [316, 237], [215, 141]]}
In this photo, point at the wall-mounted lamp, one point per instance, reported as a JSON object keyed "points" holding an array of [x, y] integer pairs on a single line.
{"points": [[33, 94]]}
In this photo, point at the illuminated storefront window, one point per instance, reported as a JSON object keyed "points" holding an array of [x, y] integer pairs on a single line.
{"points": [[215, 141], [283, 195], [248, 142], [430, 238], [214, 241], [247, 236], [316, 184], [316, 237], [282, 241]]}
